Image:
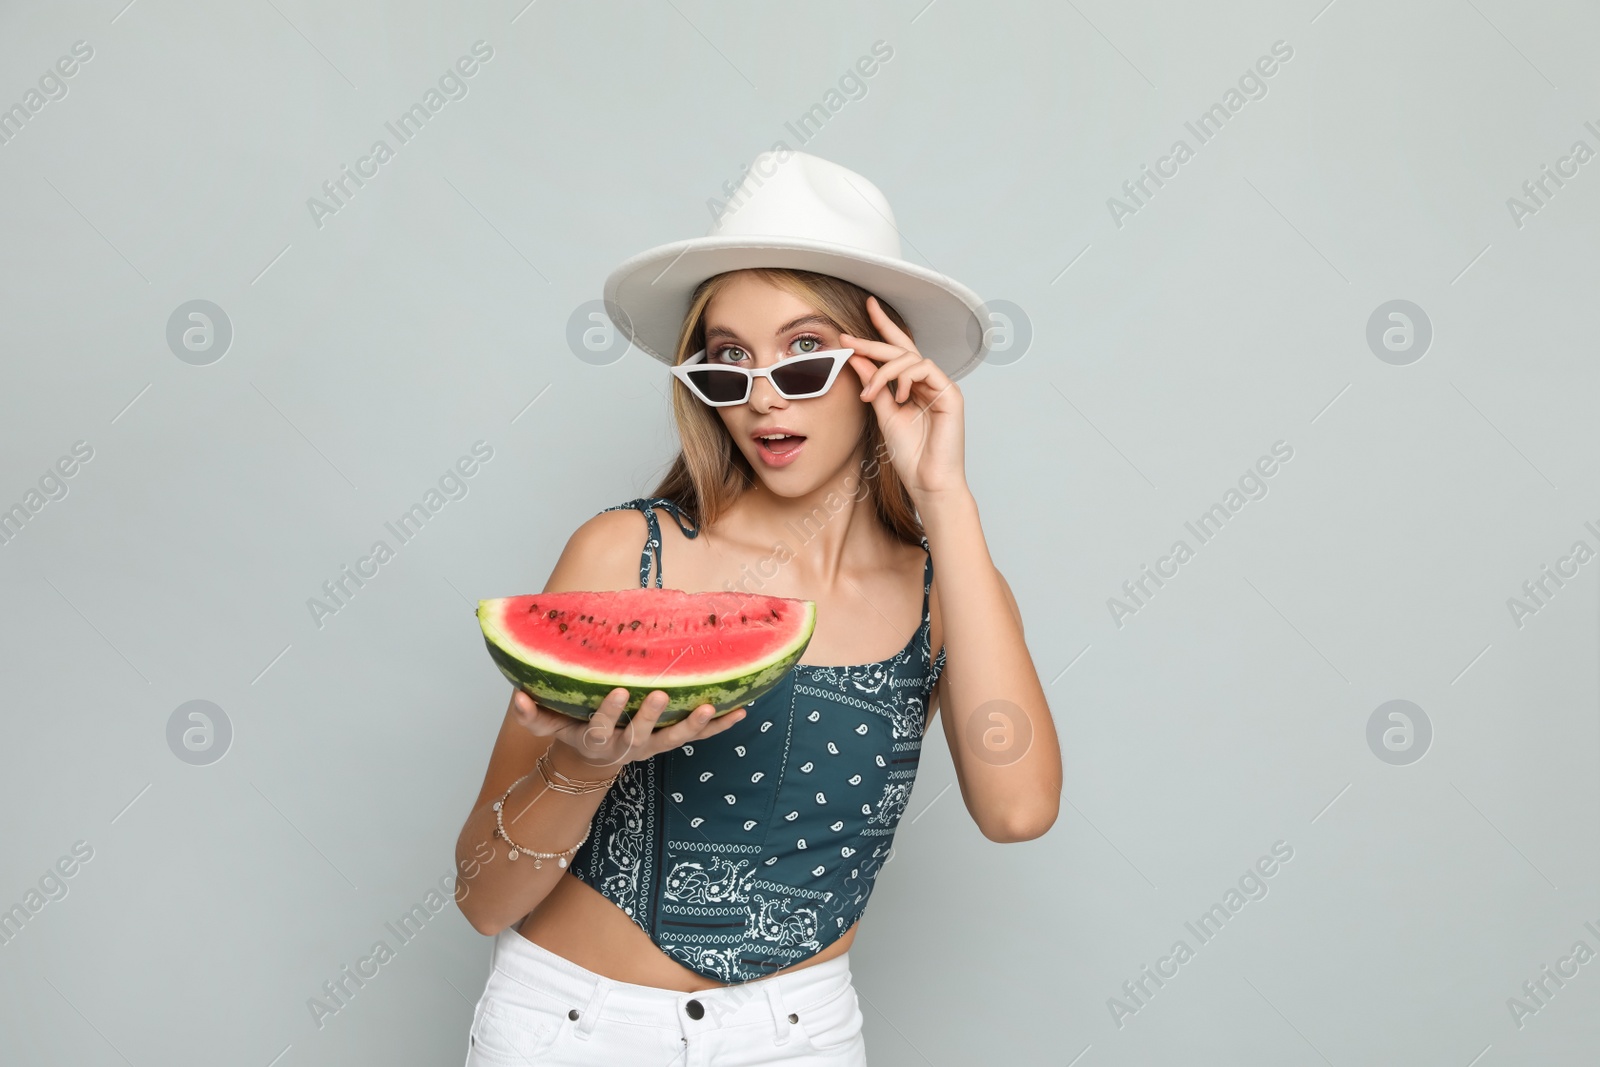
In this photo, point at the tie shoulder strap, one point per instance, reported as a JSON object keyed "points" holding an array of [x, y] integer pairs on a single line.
{"points": [[927, 577], [927, 608], [652, 544]]}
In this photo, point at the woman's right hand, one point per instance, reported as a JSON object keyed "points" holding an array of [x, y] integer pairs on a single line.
{"points": [[600, 742]]}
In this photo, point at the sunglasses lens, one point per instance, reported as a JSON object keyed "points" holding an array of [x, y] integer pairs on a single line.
{"points": [[719, 386], [802, 375]]}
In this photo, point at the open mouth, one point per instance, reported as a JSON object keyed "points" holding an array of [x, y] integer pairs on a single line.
{"points": [[780, 446]]}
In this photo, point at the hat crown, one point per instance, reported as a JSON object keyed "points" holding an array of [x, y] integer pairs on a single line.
{"points": [[800, 195]]}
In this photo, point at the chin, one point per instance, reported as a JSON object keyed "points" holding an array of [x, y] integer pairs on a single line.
{"points": [[801, 478]]}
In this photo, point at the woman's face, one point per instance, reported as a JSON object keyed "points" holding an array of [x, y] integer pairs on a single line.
{"points": [[752, 323]]}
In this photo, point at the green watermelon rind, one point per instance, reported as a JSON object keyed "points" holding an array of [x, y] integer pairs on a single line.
{"points": [[580, 697]]}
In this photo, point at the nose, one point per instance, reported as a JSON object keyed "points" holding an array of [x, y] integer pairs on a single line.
{"points": [[763, 397]]}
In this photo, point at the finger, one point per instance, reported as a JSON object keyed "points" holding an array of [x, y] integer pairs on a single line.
{"points": [[923, 371], [906, 378], [925, 381], [594, 740], [921, 402], [864, 369], [886, 325], [887, 372], [866, 346], [642, 727], [604, 720], [603, 742], [720, 723], [684, 730], [523, 708], [532, 716]]}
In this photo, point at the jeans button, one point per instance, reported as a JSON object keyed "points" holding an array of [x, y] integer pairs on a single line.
{"points": [[695, 1009]]}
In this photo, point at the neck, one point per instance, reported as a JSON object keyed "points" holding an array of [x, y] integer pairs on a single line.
{"points": [[819, 529]]}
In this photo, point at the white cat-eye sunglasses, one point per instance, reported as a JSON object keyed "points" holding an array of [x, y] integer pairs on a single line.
{"points": [[795, 378]]}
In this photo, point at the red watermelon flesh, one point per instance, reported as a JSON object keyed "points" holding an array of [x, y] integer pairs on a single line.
{"points": [[568, 650]]}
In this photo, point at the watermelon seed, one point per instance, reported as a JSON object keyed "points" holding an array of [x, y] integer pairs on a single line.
{"points": [[552, 614], [712, 619], [634, 625]]}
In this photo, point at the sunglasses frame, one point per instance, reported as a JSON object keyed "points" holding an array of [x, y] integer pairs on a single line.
{"points": [[682, 373]]}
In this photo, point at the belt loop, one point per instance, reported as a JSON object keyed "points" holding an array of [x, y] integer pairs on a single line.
{"points": [[780, 1014], [590, 1014]]}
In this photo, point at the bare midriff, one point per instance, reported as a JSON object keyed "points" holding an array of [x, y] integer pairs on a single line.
{"points": [[578, 924]]}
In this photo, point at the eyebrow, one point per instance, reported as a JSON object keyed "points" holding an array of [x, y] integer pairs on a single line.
{"points": [[718, 332]]}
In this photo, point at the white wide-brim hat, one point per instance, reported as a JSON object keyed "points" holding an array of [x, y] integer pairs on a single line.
{"points": [[803, 212]]}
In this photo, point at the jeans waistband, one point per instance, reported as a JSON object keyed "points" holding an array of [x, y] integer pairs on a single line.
{"points": [[769, 1001]]}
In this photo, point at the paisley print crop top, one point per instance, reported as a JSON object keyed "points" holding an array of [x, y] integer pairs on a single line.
{"points": [[754, 849]]}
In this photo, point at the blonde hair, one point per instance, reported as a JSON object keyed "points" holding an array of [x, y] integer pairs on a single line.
{"points": [[710, 472]]}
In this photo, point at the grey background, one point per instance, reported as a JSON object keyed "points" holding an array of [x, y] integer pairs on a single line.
{"points": [[1167, 356]]}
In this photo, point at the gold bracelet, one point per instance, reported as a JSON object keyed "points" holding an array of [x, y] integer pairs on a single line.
{"points": [[561, 857], [566, 784]]}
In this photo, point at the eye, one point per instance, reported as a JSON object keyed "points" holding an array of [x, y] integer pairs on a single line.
{"points": [[809, 343], [720, 355]]}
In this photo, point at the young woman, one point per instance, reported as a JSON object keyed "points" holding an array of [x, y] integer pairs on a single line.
{"points": [[722, 863]]}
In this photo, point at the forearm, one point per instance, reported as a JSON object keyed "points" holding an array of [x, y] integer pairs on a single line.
{"points": [[1008, 761], [494, 891]]}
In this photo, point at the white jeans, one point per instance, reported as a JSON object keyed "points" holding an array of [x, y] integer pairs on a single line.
{"points": [[539, 1009]]}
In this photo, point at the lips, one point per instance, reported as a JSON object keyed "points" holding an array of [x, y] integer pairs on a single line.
{"points": [[777, 451], [764, 437], [779, 446]]}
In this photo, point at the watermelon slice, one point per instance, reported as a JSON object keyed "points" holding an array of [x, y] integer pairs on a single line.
{"points": [[568, 650]]}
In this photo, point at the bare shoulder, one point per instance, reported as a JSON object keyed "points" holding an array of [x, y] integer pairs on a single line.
{"points": [[602, 553]]}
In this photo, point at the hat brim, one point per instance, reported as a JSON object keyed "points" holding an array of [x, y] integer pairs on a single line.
{"points": [[648, 295]]}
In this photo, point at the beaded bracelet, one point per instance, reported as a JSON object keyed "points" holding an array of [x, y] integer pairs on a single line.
{"points": [[516, 850], [566, 785]]}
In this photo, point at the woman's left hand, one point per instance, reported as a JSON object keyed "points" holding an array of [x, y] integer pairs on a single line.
{"points": [[925, 437]]}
